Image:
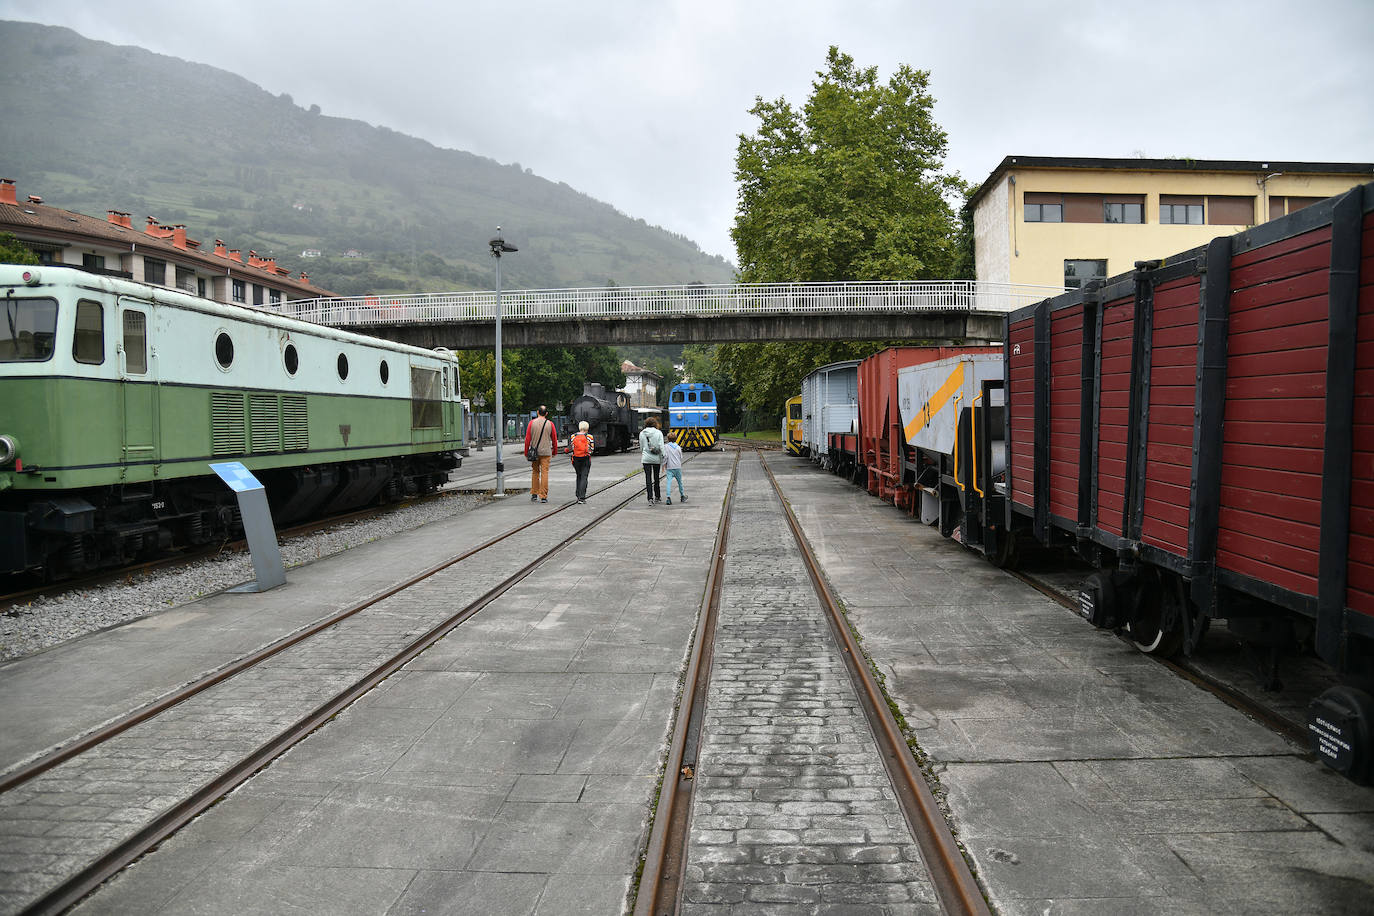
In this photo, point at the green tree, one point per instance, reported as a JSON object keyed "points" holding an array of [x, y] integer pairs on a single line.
{"points": [[851, 187], [13, 251], [533, 376]]}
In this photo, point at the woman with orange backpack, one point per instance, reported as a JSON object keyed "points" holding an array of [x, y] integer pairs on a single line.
{"points": [[580, 446]]}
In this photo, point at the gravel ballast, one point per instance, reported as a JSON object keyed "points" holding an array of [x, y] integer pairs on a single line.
{"points": [[47, 621]]}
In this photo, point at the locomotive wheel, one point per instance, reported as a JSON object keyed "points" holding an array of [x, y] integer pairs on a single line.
{"points": [[1148, 629]]}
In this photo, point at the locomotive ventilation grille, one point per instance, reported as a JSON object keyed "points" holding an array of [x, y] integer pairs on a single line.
{"points": [[270, 423], [226, 423], [265, 417], [295, 430]]}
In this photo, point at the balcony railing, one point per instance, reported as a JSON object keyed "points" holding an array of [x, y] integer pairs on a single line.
{"points": [[670, 301]]}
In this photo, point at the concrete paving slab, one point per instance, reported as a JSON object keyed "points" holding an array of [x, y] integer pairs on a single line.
{"points": [[1123, 789], [509, 762]]}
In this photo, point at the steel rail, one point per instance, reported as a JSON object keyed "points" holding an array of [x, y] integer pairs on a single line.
{"points": [[153, 708], [83, 882], [955, 885], [665, 856]]}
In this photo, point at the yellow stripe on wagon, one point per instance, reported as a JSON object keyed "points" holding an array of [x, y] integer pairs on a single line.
{"points": [[937, 402]]}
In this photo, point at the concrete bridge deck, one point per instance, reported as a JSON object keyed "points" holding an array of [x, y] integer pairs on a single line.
{"points": [[955, 311]]}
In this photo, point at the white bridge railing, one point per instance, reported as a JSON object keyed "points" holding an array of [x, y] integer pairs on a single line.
{"points": [[668, 301]]}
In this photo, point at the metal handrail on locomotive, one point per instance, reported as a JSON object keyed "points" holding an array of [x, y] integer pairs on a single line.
{"points": [[118, 395], [693, 415]]}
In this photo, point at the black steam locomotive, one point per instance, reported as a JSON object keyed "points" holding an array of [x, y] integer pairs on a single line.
{"points": [[611, 420]]}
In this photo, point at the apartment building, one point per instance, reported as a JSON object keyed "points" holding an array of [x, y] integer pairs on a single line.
{"points": [[1055, 221], [157, 254]]}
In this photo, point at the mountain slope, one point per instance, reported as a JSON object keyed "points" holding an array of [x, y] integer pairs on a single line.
{"points": [[92, 126]]}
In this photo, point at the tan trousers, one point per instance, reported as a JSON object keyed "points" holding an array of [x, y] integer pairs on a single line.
{"points": [[539, 477]]}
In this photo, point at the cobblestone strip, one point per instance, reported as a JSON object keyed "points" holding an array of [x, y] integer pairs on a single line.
{"points": [[53, 825], [793, 810]]}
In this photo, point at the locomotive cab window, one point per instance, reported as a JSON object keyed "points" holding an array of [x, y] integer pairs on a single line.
{"points": [[88, 339], [677, 397], [691, 397], [707, 397], [28, 331]]}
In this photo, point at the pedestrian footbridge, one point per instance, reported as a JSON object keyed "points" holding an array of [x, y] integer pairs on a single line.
{"points": [[958, 311]]}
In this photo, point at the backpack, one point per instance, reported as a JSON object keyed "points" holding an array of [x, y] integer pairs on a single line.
{"points": [[581, 445]]}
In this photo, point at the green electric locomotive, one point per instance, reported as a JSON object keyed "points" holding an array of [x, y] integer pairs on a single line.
{"points": [[115, 398]]}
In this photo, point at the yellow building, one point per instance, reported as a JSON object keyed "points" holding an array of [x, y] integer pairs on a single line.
{"points": [[1054, 221]]}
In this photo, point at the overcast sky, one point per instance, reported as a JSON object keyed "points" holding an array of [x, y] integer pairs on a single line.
{"points": [[640, 102]]}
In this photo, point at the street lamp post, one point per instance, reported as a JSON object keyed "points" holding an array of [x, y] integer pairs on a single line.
{"points": [[499, 247]]}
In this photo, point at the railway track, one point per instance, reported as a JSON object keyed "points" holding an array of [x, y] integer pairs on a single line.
{"points": [[679, 865], [377, 644], [20, 597]]}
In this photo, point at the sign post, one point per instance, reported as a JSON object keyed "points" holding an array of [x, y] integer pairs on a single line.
{"points": [[258, 529]]}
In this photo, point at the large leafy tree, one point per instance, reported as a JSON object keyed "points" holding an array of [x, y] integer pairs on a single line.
{"points": [[850, 187], [13, 251], [534, 376]]}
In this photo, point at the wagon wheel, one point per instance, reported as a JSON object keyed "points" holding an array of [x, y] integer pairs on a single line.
{"points": [[1155, 626], [1005, 555]]}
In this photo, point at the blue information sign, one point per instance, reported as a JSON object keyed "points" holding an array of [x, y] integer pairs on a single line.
{"points": [[238, 477]]}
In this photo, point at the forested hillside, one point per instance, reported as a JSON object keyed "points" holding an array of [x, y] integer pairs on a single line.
{"points": [[90, 126]]}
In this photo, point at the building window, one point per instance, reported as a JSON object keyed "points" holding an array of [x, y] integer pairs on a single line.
{"points": [[1281, 206], [93, 261], [1230, 211], [1116, 210], [239, 291], [200, 287], [274, 296], [1044, 208], [1079, 272], [88, 340], [154, 271], [1180, 211], [186, 279], [257, 294]]}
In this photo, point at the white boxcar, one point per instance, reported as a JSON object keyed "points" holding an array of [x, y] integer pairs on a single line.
{"points": [[830, 404], [933, 396]]}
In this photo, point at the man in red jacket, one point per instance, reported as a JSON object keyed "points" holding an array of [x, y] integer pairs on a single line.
{"points": [[541, 442]]}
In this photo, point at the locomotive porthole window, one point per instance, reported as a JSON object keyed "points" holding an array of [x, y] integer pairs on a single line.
{"points": [[291, 358], [343, 366], [386, 372], [224, 350]]}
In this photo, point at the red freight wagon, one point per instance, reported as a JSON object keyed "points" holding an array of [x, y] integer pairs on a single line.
{"points": [[1203, 430]]}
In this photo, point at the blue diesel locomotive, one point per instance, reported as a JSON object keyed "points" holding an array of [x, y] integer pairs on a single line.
{"points": [[692, 415]]}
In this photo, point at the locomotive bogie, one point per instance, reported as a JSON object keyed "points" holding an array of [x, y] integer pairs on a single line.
{"points": [[135, 390]]}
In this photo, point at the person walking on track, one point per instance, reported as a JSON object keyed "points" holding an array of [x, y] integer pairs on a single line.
{"points": [[651, 456], [672, 469], [581, 444], [541, 444]]}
